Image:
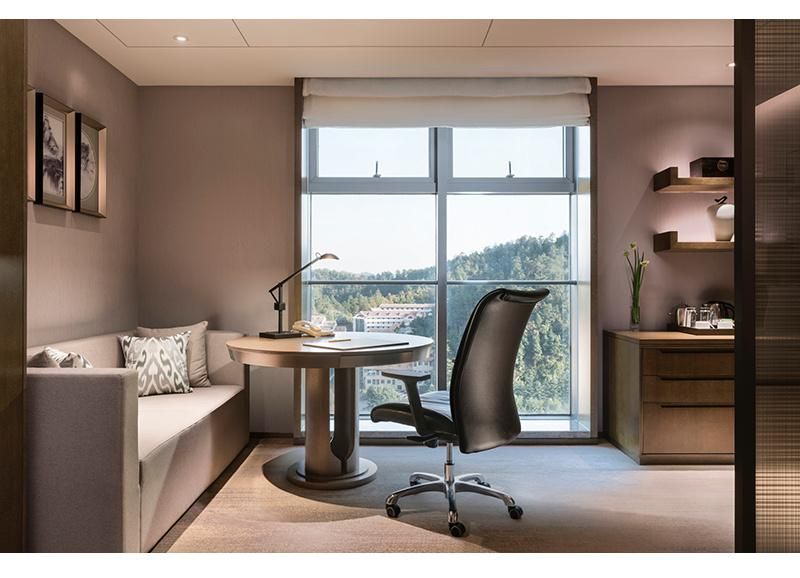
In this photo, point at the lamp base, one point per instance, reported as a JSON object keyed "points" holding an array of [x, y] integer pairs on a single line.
{"points": [[280, 334]]}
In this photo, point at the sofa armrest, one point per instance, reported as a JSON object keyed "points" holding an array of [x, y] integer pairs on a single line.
{"points": [[82, 460], [222, 370]]}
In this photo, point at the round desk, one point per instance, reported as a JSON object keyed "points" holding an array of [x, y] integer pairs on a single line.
{"points": [[331, 462]]}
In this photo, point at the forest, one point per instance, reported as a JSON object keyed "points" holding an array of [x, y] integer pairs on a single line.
{"points": [[542, 372]]}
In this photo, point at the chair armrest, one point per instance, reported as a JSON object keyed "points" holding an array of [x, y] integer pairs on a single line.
{"points": [[222, 370], [403, 374], [410, 379], [82, 460]]}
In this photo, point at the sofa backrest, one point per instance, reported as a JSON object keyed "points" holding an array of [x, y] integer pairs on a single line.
{"points": [[100, 350]]}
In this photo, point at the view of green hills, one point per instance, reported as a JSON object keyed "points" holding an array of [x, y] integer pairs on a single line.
{"points": [[542, 373]]}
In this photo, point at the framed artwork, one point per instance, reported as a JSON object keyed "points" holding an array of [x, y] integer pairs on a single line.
{"points": [[89, 181], [49, 165]]}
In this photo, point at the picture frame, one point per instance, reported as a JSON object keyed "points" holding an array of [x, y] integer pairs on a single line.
{"points": [[49, 152], [88, 173]]}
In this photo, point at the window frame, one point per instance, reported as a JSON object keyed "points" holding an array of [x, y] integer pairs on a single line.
{"points": [[441, 183]]}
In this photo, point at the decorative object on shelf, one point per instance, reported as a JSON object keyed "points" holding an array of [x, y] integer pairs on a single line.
{"points": [[668, 181], [722, 218], [90, 165], [637, 268], [712, 167], [668, 241], [280, 306], [49, 152]]}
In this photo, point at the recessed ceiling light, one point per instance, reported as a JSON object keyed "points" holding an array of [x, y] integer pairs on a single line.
{"points": [[731, 64], [180, 38]]}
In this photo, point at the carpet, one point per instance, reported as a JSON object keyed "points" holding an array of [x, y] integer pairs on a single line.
{"points": [[577, 498]]}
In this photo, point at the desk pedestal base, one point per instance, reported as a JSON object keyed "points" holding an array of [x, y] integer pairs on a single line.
{"points": [[332, 460], [365, 474]]}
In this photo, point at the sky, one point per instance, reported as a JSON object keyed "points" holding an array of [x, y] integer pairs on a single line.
{"points": [[375, 233]]}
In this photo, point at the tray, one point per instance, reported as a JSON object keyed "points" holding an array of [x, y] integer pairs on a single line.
{"points": [[694, 331]]}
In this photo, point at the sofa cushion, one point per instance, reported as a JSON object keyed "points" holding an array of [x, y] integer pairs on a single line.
{"points": [[51, 357], [163, 417], [185, 442], [159, 361], [195, 355], [102, 350]]}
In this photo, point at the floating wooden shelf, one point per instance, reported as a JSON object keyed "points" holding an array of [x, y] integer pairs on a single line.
{"points": [[669, 242], [668, 181]]}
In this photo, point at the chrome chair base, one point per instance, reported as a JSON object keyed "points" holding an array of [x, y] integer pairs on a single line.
{"points": [[449, 485]]}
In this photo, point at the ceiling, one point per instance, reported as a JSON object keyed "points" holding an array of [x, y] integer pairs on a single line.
{"points": [[274, 52]]}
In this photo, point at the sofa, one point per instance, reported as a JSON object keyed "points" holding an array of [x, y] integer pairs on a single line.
{"points": [[108, 471]]}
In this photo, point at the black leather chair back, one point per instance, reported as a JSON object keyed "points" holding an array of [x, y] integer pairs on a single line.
{"points": [[482, 386]]}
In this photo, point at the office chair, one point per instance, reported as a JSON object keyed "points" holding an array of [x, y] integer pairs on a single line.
{"points": [[478, 412]]}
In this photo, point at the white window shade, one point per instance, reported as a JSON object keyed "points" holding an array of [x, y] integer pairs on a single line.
{"points": [[450, 102]]}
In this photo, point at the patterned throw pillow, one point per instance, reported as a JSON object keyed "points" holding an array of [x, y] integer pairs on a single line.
{"points": [[195, 354], [159, 361], [51, 357]]}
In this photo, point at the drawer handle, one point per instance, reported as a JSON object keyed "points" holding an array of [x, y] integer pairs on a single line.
{"points": [[696, 405]]}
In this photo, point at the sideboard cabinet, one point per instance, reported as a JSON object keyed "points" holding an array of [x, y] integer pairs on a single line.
{"points": [[669, 396]]}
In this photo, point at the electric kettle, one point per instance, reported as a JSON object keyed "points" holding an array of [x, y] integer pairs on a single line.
{"points": [[721, 309]]}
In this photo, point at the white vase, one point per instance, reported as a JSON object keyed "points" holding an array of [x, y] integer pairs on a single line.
{"points": [[722, 218]]}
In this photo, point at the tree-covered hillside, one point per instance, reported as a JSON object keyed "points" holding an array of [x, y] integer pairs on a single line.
{"points": [[542, 375]]}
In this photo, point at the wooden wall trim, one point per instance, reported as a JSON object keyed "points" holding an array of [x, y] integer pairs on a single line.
{"points": [[13, 224], [298, 238], [595, 343], [744, 281]]}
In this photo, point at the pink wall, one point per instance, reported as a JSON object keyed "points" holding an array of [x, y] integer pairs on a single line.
{"points": [[642, 130], [216, 217], [82, 270]]}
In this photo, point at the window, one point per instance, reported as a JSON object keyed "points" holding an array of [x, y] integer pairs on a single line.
{"points": [[448, 215]]}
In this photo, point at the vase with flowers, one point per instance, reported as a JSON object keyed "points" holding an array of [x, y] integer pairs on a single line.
{"points": [[636, 266]]}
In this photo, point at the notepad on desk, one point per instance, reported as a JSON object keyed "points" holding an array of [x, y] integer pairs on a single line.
{"points": [[350, 344]]}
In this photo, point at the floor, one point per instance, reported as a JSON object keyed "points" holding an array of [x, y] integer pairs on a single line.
{"points": [[577, 498]]}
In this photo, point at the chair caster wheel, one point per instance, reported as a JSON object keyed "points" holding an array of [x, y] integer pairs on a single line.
{"points": [[515, 512], [457, 529], [392, 510]]}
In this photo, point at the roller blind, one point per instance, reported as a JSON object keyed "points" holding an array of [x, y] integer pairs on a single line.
{"points": [[450, 102]]}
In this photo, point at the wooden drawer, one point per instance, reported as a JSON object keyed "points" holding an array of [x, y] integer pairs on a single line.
{"points": [[714, 391], [688, 364], [671, 428]]}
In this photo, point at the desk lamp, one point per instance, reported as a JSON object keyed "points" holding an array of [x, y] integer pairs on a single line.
{"points": [[280, 305]]}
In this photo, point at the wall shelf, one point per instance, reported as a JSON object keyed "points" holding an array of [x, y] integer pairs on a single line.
{"points": [[668, 181], [668, 241]]}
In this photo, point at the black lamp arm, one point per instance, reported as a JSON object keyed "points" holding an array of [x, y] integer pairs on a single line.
{"points": [[290, 277]]}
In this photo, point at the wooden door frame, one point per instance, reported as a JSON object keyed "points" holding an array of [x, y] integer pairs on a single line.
{"points": [[13, 233], [744, 281]]}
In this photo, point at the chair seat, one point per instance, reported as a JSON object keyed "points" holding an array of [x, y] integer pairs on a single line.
{"points": [[435, 406]]}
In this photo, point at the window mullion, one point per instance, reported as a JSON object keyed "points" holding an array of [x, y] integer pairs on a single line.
{"points": [[444, 171]]}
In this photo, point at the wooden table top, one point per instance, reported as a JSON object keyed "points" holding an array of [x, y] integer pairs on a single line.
{"points": [[292, 353], [673, 338]]}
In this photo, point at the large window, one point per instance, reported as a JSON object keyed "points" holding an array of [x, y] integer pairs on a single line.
{"points": [[426, 221]]}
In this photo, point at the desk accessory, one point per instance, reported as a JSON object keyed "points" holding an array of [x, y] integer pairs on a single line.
{"points": [[280, 306], [354, 343]]}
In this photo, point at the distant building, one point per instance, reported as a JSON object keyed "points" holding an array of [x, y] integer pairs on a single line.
{"points": [[391, 317]]}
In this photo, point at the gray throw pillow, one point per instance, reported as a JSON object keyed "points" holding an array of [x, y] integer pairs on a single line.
{"points": [[196, 356], [159, 361], [51, 357]]}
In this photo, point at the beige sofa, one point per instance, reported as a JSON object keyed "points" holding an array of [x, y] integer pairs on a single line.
{"points": [[108, 471]]}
